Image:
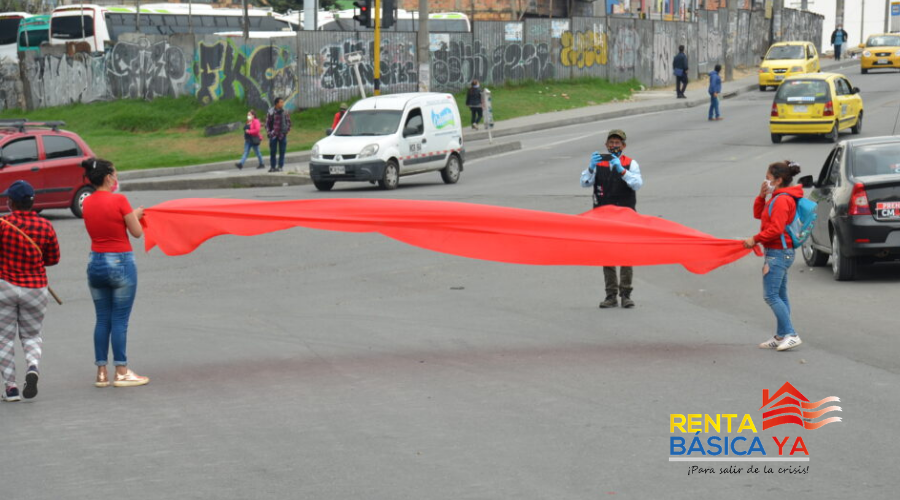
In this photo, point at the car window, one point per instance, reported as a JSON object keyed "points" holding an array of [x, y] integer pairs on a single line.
{"points": [[803, 91], [831, 170], [878, 159], [60, 147], [847, 86], [883, 41], [21, 151], [785, 52], [414, 120]]}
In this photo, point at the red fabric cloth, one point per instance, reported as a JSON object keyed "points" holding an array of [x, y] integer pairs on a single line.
{"points": [[20, 263], [606, 236], [337, 119], [772, 227], [104, 218]]}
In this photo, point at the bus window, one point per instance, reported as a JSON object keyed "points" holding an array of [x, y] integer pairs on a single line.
{"points": [[33, 38], [69, 27], [9, 26]]}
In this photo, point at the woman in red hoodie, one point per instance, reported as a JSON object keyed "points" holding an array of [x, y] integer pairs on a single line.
{"points": [[776, 214], [251, 140]]}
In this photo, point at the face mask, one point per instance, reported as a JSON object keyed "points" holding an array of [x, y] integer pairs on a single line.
{"points": [[770, 187], [249, 117], [615, 150]]}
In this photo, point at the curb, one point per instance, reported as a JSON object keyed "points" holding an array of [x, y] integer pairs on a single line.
{"points": [[298, 177]]}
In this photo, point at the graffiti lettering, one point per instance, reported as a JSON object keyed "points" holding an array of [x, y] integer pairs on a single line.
{"points": [[583, 49], [626, 47], [458, 63], [397, 64], [145, 70], [260, 74]]}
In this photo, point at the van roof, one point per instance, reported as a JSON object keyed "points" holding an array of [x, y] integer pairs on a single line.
{"points": [[396, 101]]}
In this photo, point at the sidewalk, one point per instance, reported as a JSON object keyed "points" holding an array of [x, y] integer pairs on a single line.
{"points": [[225, 175]]}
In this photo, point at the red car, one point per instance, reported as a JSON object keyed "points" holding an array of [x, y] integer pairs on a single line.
{"points": [[49, 159]]}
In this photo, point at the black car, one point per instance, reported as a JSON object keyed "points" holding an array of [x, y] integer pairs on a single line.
{"points": [[858, 205]]}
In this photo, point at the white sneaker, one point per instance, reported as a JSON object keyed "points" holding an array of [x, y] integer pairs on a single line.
{"points": [[789, 342], [772, 343]]}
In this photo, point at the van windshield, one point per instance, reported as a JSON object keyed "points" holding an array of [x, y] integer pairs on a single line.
{"points": [[369, 122], [803, 92], [785, 52]]}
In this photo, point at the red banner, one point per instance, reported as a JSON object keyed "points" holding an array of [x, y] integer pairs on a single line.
{"points": [[606, 236]]}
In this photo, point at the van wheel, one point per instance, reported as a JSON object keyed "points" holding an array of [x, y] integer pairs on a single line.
{"points": [[78, 201], [324, 185], [776, 138], [813, 257], [835, 134], [762, 88], [450, 173], [843, 268], [391, 176], [858, 127]]}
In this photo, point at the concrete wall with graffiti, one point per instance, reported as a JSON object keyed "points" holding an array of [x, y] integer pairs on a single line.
{"points": [[311, 69]]}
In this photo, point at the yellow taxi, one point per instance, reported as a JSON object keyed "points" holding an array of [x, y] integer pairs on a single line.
{"points": [[785, 59], [880, 51], [818, 103]]}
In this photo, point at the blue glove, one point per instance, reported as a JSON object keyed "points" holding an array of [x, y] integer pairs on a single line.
{"points": [[595, 159], [616, 164]]}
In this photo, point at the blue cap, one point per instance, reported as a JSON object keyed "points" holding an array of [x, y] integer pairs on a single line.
{"points": [[19, 191]]}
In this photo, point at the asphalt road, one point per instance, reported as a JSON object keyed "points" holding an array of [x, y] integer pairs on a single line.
{"points": [[313, 364]]}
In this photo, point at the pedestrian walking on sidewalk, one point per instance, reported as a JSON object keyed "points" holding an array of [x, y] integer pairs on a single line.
{"points": [[838, 39], [111, 271], [715, 89], [775, 215], [680, 66], [278, 124], [252, 140], [615, 179], [473, 101], [337, 116], [27, 245]]}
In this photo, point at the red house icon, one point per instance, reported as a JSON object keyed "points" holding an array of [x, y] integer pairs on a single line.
{"points": [[795, 408]]}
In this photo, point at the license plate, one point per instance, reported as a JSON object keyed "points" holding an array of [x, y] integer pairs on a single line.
{"points": [[337, 170], [800, 109], [883, 61], [888, 210], [778, 78]]}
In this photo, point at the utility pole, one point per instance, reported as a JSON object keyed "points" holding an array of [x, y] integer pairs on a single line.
{"points": [[862, 23], [730, 40], [887, 16], [246, 22], [376, 78], [423, 52]]}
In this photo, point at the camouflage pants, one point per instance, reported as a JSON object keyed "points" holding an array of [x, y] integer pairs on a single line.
{"points": [[616, 286]]}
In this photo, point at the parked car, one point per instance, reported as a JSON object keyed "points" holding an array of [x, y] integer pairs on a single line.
{"points": [[380, 139], [49, 159], [880, 51], [858, 206], [785, 59], [821, 103]]}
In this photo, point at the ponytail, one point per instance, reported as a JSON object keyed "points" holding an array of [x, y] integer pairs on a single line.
{"points": [[96, 170]]}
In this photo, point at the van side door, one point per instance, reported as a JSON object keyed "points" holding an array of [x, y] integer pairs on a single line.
{"points": [[414, 147]]}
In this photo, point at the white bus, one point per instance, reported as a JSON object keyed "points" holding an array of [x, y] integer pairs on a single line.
{"points": [[101, 26], [9, 30], [406, 20]]}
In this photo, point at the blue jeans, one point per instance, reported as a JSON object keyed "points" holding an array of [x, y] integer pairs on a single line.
{"points": [[713, 106], [837, 52], [112, 278], [247, 147], [775, 290], [273, 147]]}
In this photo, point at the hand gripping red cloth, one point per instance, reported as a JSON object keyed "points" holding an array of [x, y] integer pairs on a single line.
{"points": [[605, 236]]}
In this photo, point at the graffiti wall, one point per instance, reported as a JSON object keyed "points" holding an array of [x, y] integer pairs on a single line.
{"points": [[312, 68]]}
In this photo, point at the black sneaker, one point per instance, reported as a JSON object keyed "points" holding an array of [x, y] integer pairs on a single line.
{"points": [[10, 395], [273, 169], [31, 380], [610, 301], [239, 166], [260, 166]]}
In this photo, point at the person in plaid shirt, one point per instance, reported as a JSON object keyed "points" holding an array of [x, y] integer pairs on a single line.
{"points": [[27, 245], [278, 124]]}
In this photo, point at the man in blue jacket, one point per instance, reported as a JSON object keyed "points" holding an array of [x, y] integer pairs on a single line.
{"points": [[715, 88], [680, 67]]}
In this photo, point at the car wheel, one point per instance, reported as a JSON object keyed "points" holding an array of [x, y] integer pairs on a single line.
{"points": [[762, 88], [858, 127], [835, 134], [864, 71], [813, 257], [776, 138], [450, 173], [324, 185], [843, 268], [78, 201], [391, 176]]}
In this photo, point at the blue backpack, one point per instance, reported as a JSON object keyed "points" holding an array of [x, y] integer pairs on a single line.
{"points": [[801, 227]]}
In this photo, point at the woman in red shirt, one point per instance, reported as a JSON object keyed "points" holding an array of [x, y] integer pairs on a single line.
{"points": [[112, 275], [775, 215]]}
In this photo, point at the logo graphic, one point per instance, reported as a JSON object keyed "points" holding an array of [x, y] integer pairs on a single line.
{"points": [[443, 119], [795, 408]]}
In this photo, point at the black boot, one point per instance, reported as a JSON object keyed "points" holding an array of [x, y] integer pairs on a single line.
{"points": [[627, 303], [610, 301]]}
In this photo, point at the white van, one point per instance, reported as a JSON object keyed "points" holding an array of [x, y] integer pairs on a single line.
{"points": [[383, 138]]}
